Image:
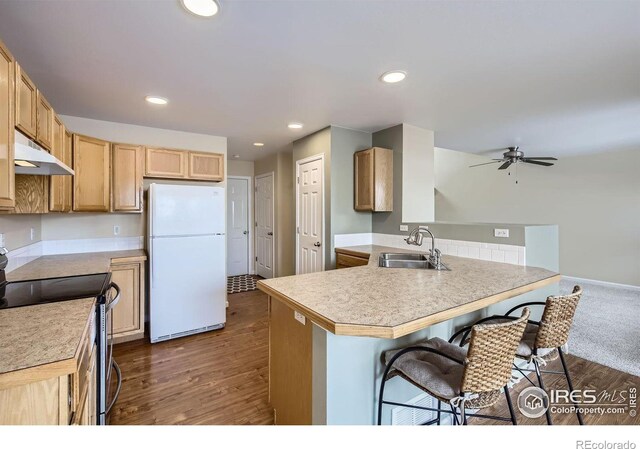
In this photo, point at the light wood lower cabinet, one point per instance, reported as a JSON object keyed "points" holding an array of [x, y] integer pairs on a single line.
{"points": [[127, 169], [206, 166], [128, 314], [7, 101], [91, 182], [349, 260], [58, 400], [165, 163]]}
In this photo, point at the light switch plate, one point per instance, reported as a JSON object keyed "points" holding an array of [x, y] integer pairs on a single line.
{"points": [[299, 317], [116, 230], [32, 234], [404, 227], [502, 233], [2, 245]]}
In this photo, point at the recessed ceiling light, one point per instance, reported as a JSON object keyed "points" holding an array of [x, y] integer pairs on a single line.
{"points": [[394, 76], [203, 8], [258, 144], [156, 100], [295, 125], [236, 156]]}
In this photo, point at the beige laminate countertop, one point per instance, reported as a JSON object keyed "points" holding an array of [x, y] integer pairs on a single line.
{"points": [[42, 341], [392, 302], [79, 264]]}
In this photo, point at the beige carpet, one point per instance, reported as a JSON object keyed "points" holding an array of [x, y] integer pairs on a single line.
{"points": [[606, 327]]}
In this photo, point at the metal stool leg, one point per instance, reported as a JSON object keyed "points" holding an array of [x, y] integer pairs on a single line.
{"points": [[384, 380], [539, 376], [439, 412], [511, 412], [566, 373], [455, 415], [463, 415]]}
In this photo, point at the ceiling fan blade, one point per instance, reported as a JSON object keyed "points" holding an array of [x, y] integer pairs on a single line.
{"points": [[493, 150], [487, 163], [505, 165], [529, 161], [543, 158]]}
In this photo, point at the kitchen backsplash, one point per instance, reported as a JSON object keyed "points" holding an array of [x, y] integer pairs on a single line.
{"points": [[22, 256]]}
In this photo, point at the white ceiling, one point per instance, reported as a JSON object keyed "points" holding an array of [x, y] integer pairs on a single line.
{"points": [[555, 77]]}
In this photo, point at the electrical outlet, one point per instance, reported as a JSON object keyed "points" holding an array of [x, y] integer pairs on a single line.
{"points": [[32, 234], [502, 233], [116, 230], [299, 317], [404, 228], [2, 245]]}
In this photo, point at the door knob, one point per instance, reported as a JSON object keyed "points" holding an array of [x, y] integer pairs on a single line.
{"points": [[269, 233], [318, 244], [245, 232]]}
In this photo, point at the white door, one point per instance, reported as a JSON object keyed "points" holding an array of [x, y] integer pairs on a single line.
{"points": [[264, 225], [310, 207], [237, 226]]}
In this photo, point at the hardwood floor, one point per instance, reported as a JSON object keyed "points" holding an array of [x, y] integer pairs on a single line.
{"points": [[221, 377], [218, 377]]}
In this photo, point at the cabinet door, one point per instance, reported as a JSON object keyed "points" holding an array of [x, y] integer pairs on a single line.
{"points": [[57, 183], [67, 181], [44, 120], [7, 101], [363, 162], [126, 177], [91, 192], [26, 103], [128, 315], [163, 163], [206, 166]]}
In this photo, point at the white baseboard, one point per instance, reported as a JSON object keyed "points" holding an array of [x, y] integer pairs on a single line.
{"points": [[603, 283]]}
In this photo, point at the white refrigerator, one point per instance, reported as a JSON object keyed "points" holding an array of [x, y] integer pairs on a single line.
{"points": [[187, 250]]}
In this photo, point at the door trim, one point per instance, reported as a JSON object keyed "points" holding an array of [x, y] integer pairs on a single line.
{"points": [[300, 162], [273, 214], [251, 265]]}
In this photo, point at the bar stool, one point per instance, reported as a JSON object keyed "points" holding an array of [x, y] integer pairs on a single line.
{"points": [[542, 340], [472, 378]]}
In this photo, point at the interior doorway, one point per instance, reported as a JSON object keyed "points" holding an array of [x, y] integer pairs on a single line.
{"points": [[310, 214], [239, 237], [265, 225]]}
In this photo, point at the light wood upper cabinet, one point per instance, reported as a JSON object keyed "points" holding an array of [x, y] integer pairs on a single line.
{"points": [[126, 175], [373, 180], [67, 181], [57, 191], [45, 122], [26, 103], [91, 183], [206, 166], [7, 101], [165, 163], [128, 314]]}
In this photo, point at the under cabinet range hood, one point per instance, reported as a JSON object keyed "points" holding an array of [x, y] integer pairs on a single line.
{"points": [[31, 159]]}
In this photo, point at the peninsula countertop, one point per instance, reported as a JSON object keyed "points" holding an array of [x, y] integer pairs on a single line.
{"points": [[392, 302], [78, 264]]}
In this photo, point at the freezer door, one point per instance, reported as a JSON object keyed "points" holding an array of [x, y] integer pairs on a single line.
{"points": [[188, 285], [186, 210]]}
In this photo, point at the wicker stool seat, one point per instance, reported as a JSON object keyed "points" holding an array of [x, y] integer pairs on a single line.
{"points": [[463, 378]]}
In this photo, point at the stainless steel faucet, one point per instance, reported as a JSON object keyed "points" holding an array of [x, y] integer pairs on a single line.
{"points": [[415, 238]]}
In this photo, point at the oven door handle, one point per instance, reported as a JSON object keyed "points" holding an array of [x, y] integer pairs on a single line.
{"points": [[115, 300], [115, 366]]}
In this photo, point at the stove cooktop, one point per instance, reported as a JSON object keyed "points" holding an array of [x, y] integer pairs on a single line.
{"points": [[43, 291]]}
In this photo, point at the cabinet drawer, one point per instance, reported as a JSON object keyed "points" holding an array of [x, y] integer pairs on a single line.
{"points": [[347, 261]]}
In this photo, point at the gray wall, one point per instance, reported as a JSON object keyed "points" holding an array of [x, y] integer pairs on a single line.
{"points": [[239, 168], [344, 218], [17, 230], [594, 199]]}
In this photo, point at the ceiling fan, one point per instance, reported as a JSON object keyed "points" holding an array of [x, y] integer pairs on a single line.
{"points": [[513, 155]]}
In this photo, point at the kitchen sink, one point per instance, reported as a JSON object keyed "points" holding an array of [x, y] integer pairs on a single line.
{"points": [[407, 260]]}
